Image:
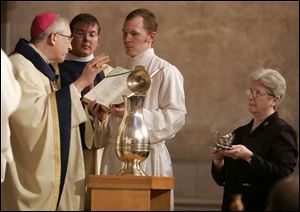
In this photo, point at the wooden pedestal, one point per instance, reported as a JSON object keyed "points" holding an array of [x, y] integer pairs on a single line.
{"points": [[130, 192]]}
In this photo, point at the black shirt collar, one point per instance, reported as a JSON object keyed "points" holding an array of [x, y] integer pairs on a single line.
{"points": [[265, 123]]}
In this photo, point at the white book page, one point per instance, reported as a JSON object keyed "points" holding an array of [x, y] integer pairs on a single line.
{"points": [[111, 89]]}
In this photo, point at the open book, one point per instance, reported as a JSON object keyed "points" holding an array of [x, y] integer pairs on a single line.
{"points": [[111, 89]]}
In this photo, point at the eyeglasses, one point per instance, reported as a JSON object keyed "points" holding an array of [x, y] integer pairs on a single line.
{"points": [[82, 34], [256, 93], [70, 38]]}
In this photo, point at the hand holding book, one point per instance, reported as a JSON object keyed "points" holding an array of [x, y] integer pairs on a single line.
{"points": [[111, 89]]}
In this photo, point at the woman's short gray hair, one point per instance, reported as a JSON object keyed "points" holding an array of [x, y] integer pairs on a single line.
{"points": [[272, 80]]}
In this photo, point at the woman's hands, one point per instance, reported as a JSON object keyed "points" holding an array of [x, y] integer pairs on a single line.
{"points": [[237, 152], [218, 158]]}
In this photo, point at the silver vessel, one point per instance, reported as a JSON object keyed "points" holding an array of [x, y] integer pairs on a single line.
{"points": [[133, 144]]}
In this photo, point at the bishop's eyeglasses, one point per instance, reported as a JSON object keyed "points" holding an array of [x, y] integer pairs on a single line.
{"points": [[70, 38]]}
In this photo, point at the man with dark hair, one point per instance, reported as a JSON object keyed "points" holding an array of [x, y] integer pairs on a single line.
{"points": [[85, 30]]}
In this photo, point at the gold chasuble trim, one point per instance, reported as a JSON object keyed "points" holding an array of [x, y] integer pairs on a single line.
{"points": [[56, 149]]}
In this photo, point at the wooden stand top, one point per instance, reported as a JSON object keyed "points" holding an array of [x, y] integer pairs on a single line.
{"points": [[130, 182]]}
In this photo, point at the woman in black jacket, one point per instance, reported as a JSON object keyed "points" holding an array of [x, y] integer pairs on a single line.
{"points": [[263, 151]]}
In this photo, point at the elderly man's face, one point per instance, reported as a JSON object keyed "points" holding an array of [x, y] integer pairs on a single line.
{"points": [[136, 39], [63, 45]]}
